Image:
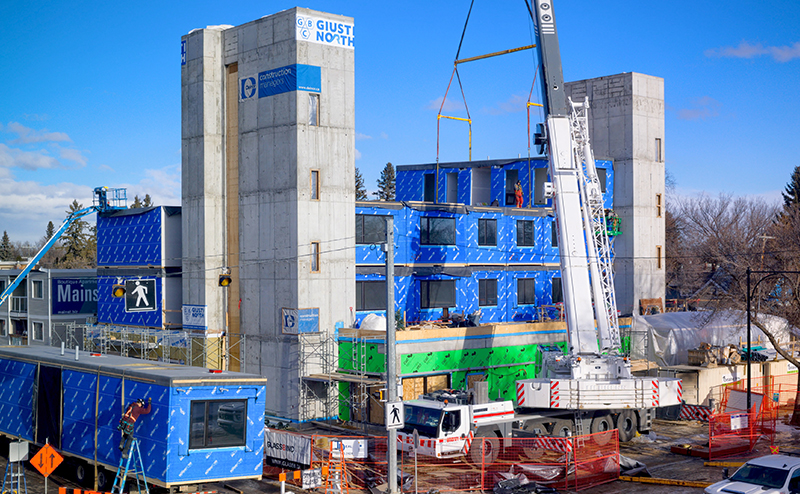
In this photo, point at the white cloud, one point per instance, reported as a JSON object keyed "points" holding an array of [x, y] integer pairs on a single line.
{"points": [[163, 185], [384, 135], [702, 108], [514, 104], [746, 50], [361, 137], [28, 135], [72, 155], [28, 160], [358, 154], [449, 105], [105, 168]]}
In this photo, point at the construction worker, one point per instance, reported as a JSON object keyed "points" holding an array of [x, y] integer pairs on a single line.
{"points": [[128, 420], [518, 193]]}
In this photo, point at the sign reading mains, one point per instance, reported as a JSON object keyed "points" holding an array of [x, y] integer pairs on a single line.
{"points": [[140, 295]]}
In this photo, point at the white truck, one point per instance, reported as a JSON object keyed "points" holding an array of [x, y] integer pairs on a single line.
{"points": [[591, 388]]}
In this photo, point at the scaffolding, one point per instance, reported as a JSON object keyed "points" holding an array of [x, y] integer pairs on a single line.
{"points": [[318, 385]]}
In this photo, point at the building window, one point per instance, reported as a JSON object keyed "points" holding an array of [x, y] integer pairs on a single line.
{"points": [[556, 293], [313, 109], [659, 157], [602, 177], [216, 424], [487, 292], [429, 188], [553, 234], [315, 185], [437, 293], [526, 291], [525, 237], [315, 257], [437, 231], [487, 232], [370, 295], [658, 205], [38, 288], [658, 256], [38, 331], [3, 328], [370, 229]]}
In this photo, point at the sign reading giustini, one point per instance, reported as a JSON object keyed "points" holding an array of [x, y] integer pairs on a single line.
{"points": [[325, 31], [194, 317], [140, 295], [74, 296]]}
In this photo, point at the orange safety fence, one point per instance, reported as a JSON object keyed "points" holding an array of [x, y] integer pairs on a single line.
{"points": [[564, 463], [734, 430]]}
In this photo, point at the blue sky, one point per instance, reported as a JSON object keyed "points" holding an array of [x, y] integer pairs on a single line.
{"points": [[90, 93]]}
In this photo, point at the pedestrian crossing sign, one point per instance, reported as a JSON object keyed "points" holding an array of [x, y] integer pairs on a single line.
{"points": [[394, 415], [140, 295]]}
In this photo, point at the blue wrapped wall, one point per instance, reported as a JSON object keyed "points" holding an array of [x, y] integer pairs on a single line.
{"points": [[130, 240], [111, 310], [16, 398]]}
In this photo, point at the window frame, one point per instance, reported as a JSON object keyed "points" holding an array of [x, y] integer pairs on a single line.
{"points": [[553, 299], [659, 198], [38, 331], [206, 445], [483, 241], [314, 184], [520, 291], [361, 285], [37, 289], [315, 267], [523, 236], [425, 231], [659, 255], [484, 293], [428, 283], [313, 109], [361, 226]]}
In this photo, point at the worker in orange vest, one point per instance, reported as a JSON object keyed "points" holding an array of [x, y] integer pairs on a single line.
{"points": [[128, 420], [518, 193]]}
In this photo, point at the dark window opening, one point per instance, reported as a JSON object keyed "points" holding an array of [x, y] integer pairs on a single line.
{"points": [[557, 294], [601, 177], [487, 292], [216, 424], [512, 176], [526, 291], [553, 234], [370, 229], [525, 233], [437, 231], [487, 232], [429, 190], [370, 295], [437, 293]]}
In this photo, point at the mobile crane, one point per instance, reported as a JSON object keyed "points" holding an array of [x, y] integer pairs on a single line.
{"points": [[104, 200], [591, 388]]}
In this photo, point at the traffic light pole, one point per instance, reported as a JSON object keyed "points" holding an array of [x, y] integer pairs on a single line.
{"points": [[391, 357]]}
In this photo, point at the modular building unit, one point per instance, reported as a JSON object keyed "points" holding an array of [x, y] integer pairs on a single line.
{"points": [[203, 426]]}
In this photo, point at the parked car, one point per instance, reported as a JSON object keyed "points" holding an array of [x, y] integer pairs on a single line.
{"points": [[773, 474]]}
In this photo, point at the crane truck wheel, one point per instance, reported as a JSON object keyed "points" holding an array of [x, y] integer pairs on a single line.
{"points": [[561, 428], [627, 424], [484, 449], [102, 480], [602, 423], [83, 474]]}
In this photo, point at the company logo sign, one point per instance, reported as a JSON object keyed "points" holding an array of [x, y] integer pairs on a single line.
{"points": [[74, 296], [325, 31], [183, 52], [247, 87], [194, 317]]}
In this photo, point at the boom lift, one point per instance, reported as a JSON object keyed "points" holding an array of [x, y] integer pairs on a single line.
{"points": [[591, 388], [104, 200]]}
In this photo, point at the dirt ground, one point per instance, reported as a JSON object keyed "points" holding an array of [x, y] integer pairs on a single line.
{"points": [[653, 451]]}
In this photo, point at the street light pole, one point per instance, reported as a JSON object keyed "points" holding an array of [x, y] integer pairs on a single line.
{"points": [[391, 356], [749, 349]]}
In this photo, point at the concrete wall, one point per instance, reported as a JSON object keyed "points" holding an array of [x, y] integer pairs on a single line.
{"points": [[626, 120], [277, 218]]}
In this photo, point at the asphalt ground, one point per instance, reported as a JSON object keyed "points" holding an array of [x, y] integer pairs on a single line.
{"points": [[653, 451]]}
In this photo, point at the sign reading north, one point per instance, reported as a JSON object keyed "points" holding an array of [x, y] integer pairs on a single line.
{"points": [[325, 31], [140, 295]]}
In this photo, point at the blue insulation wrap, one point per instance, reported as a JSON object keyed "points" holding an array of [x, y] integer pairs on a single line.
{"points": [[131, 239], [17, 381], [111, 310]]}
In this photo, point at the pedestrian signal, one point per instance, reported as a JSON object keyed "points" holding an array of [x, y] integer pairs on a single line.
{"points": [[118, 291]]}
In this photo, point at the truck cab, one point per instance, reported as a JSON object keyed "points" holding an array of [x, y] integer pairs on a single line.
{"points": [[442, 427], [772, 474]]}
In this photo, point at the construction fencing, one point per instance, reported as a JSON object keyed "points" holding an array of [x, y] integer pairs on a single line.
{"points": [[734, 430], [358, 463]]}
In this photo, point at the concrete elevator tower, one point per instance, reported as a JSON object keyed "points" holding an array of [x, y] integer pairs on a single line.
{"points": [[268, 156]]}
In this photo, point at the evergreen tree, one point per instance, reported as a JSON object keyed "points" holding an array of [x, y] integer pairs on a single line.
{"points": [[361, 191], [792, 194], [77, 243], [5, 248], [386, 184], [50, 258], [147, 202], [141, 203], [50, 231]]}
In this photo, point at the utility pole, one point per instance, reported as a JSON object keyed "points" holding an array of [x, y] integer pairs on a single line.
{"points": [[391, 357]]}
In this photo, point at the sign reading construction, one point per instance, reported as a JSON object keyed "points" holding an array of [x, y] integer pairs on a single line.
{"points": [[295, 77], [325, 31], [296, 321], [140, 295], [285, 450]]}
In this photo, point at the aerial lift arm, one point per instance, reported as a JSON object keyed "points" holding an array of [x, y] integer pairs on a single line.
{"points": [[105, 199]]}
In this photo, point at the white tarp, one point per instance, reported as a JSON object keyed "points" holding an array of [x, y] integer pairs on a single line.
{"points": [[667, 338]]}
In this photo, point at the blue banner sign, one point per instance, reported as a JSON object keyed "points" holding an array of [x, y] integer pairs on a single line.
{"points": [[290, 78], [74, 296], [296, 321]]}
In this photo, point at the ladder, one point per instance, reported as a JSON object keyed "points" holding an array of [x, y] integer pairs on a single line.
{"points": [[125, 468], [337, 470], [12, 479]]}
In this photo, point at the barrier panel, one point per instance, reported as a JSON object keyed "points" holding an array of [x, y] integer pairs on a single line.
{"points": [[358, 463]]}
